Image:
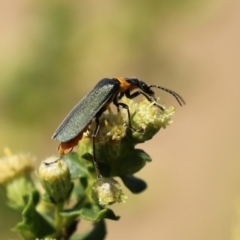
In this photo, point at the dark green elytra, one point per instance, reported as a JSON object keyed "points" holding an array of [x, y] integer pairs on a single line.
{"points": [[82, 114]]}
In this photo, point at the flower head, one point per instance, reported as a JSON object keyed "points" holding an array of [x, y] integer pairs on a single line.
{"points": [[112, 129], [149, 117], [14, 165], [108, 191]]}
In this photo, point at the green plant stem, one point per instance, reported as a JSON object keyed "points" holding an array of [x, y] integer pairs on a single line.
{"points": [[58, 221]]}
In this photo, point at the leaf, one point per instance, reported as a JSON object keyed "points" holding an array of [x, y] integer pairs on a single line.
{"points": [[34, 224], [130, 163], [105, 169], [143, 155], [79, 193], [16, 189], [72, 228], [93, 213], [87, 156], [98, 232], [46, 198], [109, 214], [77, 168], [134, 184], [84, 182]]}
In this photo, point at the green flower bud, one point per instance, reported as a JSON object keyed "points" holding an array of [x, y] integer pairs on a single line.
{"points": [[107, 191], [55, 178]]}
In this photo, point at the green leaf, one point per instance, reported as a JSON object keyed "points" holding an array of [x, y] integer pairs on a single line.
{"points": [[130, 163], [84, 182], [90, 214], [78, 191], [87, 213], [93, 213], [16, 189], [77, 168], [109, 214], [87, 156], [98, 232], [46, 198], [143, 155], [71, 229], [105, 169], [96, 213], [134, 184], [34, 225]]}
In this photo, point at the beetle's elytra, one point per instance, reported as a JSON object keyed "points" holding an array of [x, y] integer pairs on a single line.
{"points": [[107, 91]]}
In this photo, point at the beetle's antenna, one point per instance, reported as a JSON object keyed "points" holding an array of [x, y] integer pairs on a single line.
{"points": [[179, 99]]}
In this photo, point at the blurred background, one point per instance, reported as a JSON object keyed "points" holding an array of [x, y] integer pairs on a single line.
{"points": [[53, 52]]}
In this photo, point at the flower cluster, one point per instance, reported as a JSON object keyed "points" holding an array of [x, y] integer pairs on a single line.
{"points": [[71, 190]]}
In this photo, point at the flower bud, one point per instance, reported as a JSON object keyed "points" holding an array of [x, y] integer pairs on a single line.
{"points": [[55, 178], [108, 191]]}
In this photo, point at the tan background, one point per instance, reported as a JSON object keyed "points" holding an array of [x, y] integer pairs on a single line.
{"points": [[51, 54]]}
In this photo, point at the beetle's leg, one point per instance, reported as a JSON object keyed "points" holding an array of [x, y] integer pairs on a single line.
{"points": [[125, 106], [149, 98], [137, 93], [120, 95], [134, 95], [94, 135]]}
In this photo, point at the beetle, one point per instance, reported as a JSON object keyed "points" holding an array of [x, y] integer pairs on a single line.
{"points": [[107, 91]]}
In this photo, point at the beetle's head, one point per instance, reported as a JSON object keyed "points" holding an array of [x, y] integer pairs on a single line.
{"points": [[145, 88]]}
